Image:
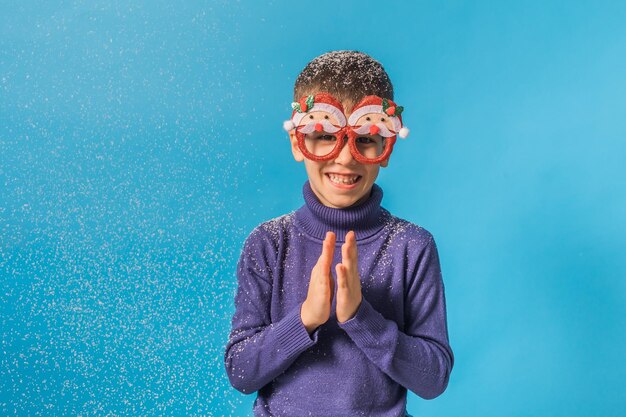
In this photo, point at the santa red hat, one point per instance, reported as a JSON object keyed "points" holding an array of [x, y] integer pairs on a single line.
{"points": [[375, 104], [318, 102]]}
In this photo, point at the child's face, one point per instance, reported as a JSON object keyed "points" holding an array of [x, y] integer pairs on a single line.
{"points": [[332, 181]]}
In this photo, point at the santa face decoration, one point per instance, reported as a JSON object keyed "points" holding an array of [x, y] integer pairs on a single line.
{"points": [[322, 128]]}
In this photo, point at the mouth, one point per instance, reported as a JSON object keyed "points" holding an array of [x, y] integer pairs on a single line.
{"points": [[343, 181]]}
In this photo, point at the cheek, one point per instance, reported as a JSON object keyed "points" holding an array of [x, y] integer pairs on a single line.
{"points": [[313, 168]]}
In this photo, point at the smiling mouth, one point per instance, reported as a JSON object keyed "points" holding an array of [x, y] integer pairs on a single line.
{"points": [[344, 179]]}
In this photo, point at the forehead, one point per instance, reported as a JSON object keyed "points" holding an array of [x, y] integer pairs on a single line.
{"points": [[347, 106]]}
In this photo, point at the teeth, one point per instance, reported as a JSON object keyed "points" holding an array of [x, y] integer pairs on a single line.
{"points": [[343, 179]]}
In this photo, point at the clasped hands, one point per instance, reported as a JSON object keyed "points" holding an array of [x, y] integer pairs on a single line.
{"points": [[316, 308]]}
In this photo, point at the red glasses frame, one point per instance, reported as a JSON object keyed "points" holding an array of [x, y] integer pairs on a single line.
{"points": [[352, 136], [331, 105]]}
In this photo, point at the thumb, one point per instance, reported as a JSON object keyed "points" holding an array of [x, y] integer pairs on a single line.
{"points": [[341, 277]]}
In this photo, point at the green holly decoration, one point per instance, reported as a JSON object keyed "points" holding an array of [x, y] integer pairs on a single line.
{"points": [[396, 111], [309, 102], [385, 105]]}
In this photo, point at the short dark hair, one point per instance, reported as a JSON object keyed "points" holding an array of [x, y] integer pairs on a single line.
{"points": [[347, 75]]}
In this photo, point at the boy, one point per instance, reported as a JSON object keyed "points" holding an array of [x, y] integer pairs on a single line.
{"points": [[313, 345]]}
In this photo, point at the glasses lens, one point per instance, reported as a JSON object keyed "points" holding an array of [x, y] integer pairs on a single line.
{"points": [[320, 143], [370, 146]]}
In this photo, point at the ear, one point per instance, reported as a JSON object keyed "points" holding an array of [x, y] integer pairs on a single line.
{"points": [[295, 150], [385, 162]]}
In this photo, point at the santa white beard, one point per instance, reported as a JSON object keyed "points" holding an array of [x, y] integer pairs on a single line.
{"points": [[382, 130]]}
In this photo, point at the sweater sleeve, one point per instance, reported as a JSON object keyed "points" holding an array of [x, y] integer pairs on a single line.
{"points": [[258, 350], [420, 358]]}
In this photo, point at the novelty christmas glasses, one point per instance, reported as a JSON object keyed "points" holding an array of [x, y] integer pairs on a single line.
{"points": [[322, 129]]}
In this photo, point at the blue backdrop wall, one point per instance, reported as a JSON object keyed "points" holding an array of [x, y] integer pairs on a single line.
{"points": [[140, 142]]}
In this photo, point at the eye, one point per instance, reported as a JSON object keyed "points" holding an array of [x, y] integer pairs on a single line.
{"points": [[326, 117], [368, 119], [382, 119], [310, 116], [370, 141], [326, 138], [364, 140]]}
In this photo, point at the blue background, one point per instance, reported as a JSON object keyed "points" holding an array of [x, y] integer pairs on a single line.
{"points": [[140, 142]]}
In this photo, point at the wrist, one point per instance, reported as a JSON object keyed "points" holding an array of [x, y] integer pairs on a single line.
{"points": [[309, 324]]}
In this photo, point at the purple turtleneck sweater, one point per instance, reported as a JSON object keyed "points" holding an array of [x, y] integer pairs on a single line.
{"points": [[398, 338]]}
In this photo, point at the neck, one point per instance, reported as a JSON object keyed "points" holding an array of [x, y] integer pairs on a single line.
{"points": [[364, 218]]}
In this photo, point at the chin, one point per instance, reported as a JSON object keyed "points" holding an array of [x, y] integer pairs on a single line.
{"points": [[338, 198]]}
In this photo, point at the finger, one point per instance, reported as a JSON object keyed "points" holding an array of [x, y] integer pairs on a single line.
{"points": [[328, 248], [353, 253], [348, 250], [345, 254], [341, 277]]}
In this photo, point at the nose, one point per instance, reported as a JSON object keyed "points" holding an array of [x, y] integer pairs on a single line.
{"points": [[345, 156]]}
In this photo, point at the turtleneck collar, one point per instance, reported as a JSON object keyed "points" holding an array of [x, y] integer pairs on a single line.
{"points": [[315, 219]]}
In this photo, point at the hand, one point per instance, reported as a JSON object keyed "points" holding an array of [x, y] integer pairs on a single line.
{"points": [[348, 280], [315, 310]]}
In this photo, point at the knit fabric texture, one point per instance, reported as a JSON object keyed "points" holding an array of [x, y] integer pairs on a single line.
{"points": [[397, 340]]}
